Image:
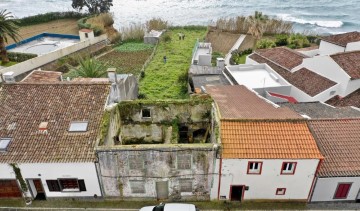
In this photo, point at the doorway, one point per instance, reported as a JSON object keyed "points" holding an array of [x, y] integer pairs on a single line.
{"points": [[162, 190], [36, 189], [236, 192]]}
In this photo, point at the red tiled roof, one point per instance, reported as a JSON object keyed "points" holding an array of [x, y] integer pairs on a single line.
{"points": [[282, 56], [304, 79], [352, 99], [24, 106], [42, 76], [350, 62], [238, 102], [343, 39], [339, 141], [267, 140]]}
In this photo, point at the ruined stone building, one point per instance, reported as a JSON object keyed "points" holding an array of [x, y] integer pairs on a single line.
{"points": [[157, 149]]}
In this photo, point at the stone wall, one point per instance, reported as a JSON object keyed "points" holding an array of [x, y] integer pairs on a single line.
{"points": [[135, 172]]}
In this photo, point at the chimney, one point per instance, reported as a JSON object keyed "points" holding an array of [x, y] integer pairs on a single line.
{"points": [[114, 96], [112, 75], [9, 77], [220, 63], [43, 127]]}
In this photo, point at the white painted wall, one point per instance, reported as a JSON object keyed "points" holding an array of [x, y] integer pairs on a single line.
{"points": [[353, 85], [325, 188], [53, 171], [301, 96], [353, 46], [310, 53], [234, 172], [327, 48], [36, 62]]}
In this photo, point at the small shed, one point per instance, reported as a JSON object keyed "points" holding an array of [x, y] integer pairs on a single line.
{"points": [[152, 37]]}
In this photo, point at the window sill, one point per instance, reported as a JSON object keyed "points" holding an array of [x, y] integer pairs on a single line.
{"points": [[71, 190]]}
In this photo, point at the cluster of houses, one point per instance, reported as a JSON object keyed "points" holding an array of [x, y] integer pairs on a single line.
{"points": [[237, 138]]}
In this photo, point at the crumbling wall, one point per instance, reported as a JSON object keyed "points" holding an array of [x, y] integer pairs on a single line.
{"points": [[120, 167]]}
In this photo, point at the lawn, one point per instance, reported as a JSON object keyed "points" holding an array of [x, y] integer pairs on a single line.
{"points": [[8, 64], [169, 80], [241, 59], [128, 57], [129, 204]]}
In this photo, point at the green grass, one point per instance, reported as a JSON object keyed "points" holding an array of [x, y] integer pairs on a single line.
{"points": [[241, 59], [169, 81], [133, 46], [8, 64], [203, 205]]}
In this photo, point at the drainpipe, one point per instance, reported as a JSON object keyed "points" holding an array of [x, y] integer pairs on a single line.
{"points": [[98, 173], [220, 167], [314, 181]]}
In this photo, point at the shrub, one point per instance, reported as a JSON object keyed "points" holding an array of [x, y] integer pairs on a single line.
{"points": [[115, 38], [265, 43], [281, 40], [142, 96], [107, 19], [247, 51], [156, 24], [166, 38], [82, 24], [89, 68], [97, 30], [298, 41], [50, 16], [20, 57], [134, 32]]}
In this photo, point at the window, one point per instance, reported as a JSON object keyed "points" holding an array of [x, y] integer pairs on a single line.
{"points": [[137, 186], [64, 185], [146, 113], [280, 191], [186, 185], [136, 161], [184, 161], [254, 167], [342, 190], [4, 143], [78, 126], [288, 168]]}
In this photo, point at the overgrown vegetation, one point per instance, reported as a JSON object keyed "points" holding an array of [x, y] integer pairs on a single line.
{"points": [[156, 24], [20, 57], [50, 16], [88, 68], [239, 57], [293, 41], [133, 46], [19, 176], [161, 79], [133, 32], [216, 55], [265, 43]]}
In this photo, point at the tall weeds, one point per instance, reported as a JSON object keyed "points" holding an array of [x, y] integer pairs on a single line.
{"points": [[156, 24], [133, 32]]}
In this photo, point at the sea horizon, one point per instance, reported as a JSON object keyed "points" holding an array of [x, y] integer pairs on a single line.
{"points": [[307, 16]]}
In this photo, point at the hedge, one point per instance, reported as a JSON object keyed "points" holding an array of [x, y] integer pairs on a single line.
{"points": [[50, 16], [20, 57]]}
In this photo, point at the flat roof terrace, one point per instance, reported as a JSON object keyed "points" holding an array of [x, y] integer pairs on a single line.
{"points": [[255, 76]]}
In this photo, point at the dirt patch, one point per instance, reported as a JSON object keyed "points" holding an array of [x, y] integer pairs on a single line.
{"points": [[221, 41], [248, 42], [64, 26]]}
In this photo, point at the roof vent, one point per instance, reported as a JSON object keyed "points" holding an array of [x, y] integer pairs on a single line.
{"points": [[43, 127], [9, 77]]}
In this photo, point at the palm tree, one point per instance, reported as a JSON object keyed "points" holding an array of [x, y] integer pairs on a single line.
{"points": [[257, 25], [90, 68], [8, 28]]}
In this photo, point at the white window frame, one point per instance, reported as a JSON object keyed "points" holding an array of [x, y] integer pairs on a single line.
{"points": [[252, 169], [289, 168], [78, 130]]}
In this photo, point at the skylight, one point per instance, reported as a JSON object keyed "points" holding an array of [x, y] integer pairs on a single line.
{"points": [[4, 142], [78, 126]]}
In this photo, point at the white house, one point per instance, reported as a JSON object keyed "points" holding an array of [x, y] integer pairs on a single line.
{"points": [[339, 43], [48, 132], [339, 176], [267, 153]]}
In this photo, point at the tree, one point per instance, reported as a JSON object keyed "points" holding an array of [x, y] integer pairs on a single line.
{"points": [[257, 25], [93, 6], [8, 29], [90, 68]]}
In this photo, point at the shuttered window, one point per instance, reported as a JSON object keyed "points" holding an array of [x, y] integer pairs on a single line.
{"points": [[53, 185], [342, 190]]}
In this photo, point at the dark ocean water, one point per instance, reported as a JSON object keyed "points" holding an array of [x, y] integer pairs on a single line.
{"points": [[320, 16]]}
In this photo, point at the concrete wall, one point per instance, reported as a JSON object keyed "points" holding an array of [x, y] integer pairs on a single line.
{"points": [[234, 172], [327, 48], [310, 53], [353, 85], [36, 62], [325, 188], [158, 163], [53, 171], [353, 46]]}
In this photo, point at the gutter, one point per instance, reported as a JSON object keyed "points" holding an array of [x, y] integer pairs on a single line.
{"points": [[313, 184]]}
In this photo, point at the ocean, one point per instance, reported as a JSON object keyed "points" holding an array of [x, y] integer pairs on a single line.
{"points": [[318, 16]]}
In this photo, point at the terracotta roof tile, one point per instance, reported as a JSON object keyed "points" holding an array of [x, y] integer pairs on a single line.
{"points": [[282, 56], [352, 99], [238, 102], [267, 140], [339, 141], [304, 79], [42, 76], [24, 106], [343, 39], [349, 62]]}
